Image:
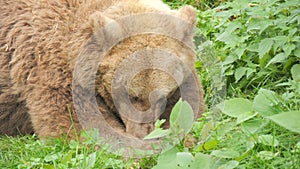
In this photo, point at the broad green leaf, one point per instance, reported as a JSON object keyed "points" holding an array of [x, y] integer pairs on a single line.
{"points": [[224, 128], [264, 46], [253, 125], [67, 157], [228, 38], [253, 47], [184, 159], [239, 73], [295, 70], [229, 59], [266, 155], [203, 160], [297, 52], [232, 26], [182, 116], [288, 4], [229, 165], [298, 145], [292, 32], [53, 157], [205, 132], [157, 133], [278, 58], [209, 145], [235, 107], [245, 116], [90, 161], [239, 4], [178, 160], [268, 140], [225, 153], [257, 12], [279, 41], [250, 71], [47, 166], [250, 145], [167, 159], [288, 120], [259, 24], [288, 48], [240, 51], [265, 102]]}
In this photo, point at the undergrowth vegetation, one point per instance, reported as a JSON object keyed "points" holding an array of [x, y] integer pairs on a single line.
{"points": [[249, 64]]}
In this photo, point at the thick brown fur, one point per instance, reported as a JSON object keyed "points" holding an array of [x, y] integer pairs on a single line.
{"points": [[39, 43]]}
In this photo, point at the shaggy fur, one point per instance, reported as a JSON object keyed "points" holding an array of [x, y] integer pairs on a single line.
{"points": [[40, 41]]}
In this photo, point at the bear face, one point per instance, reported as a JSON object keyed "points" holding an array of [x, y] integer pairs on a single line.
{"points": [[151, 90], [163, 63]]}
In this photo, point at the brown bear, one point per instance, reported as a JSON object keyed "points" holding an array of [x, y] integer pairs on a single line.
{"points": [[49, 48]]}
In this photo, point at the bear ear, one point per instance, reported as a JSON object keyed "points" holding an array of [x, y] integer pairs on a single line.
{"points": [[98, 20], [188, 13]]}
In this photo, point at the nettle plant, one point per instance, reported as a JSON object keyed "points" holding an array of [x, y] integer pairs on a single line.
{"points": [[257, 41]]}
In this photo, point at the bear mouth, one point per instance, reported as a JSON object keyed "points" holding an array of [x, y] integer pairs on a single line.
{"points": [[162, 107]]}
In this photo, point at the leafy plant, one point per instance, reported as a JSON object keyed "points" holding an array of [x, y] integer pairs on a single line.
{"points": [[257, 41]]}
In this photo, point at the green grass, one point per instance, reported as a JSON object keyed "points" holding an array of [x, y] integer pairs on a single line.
{"points": [[224, 140], [29, 152]]}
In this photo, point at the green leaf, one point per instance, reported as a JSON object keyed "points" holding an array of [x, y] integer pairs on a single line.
{"points": [[157, 133], [297, 52], [239, 73], [229, 59], [240, 51], [184, 159], [259, 24], [209, 145], [232, 26], [182, 116], [253, 125], [224, 128], [228, 38], [229, 165], [67, 157], [235, 107], [278, 58], [279, 41], [264, 46], [264, 60], [205, 132], [159, 122], [268, 140], [167, 159], [288, 48], [225, 153], [295, 70], [250, 71], [245, 116], [202, 160], [52, 157], [298, 145], [288, 120], [265, 102], [292, 32], [253, 47], [90, 161], [266, 155], [178, 160]]}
